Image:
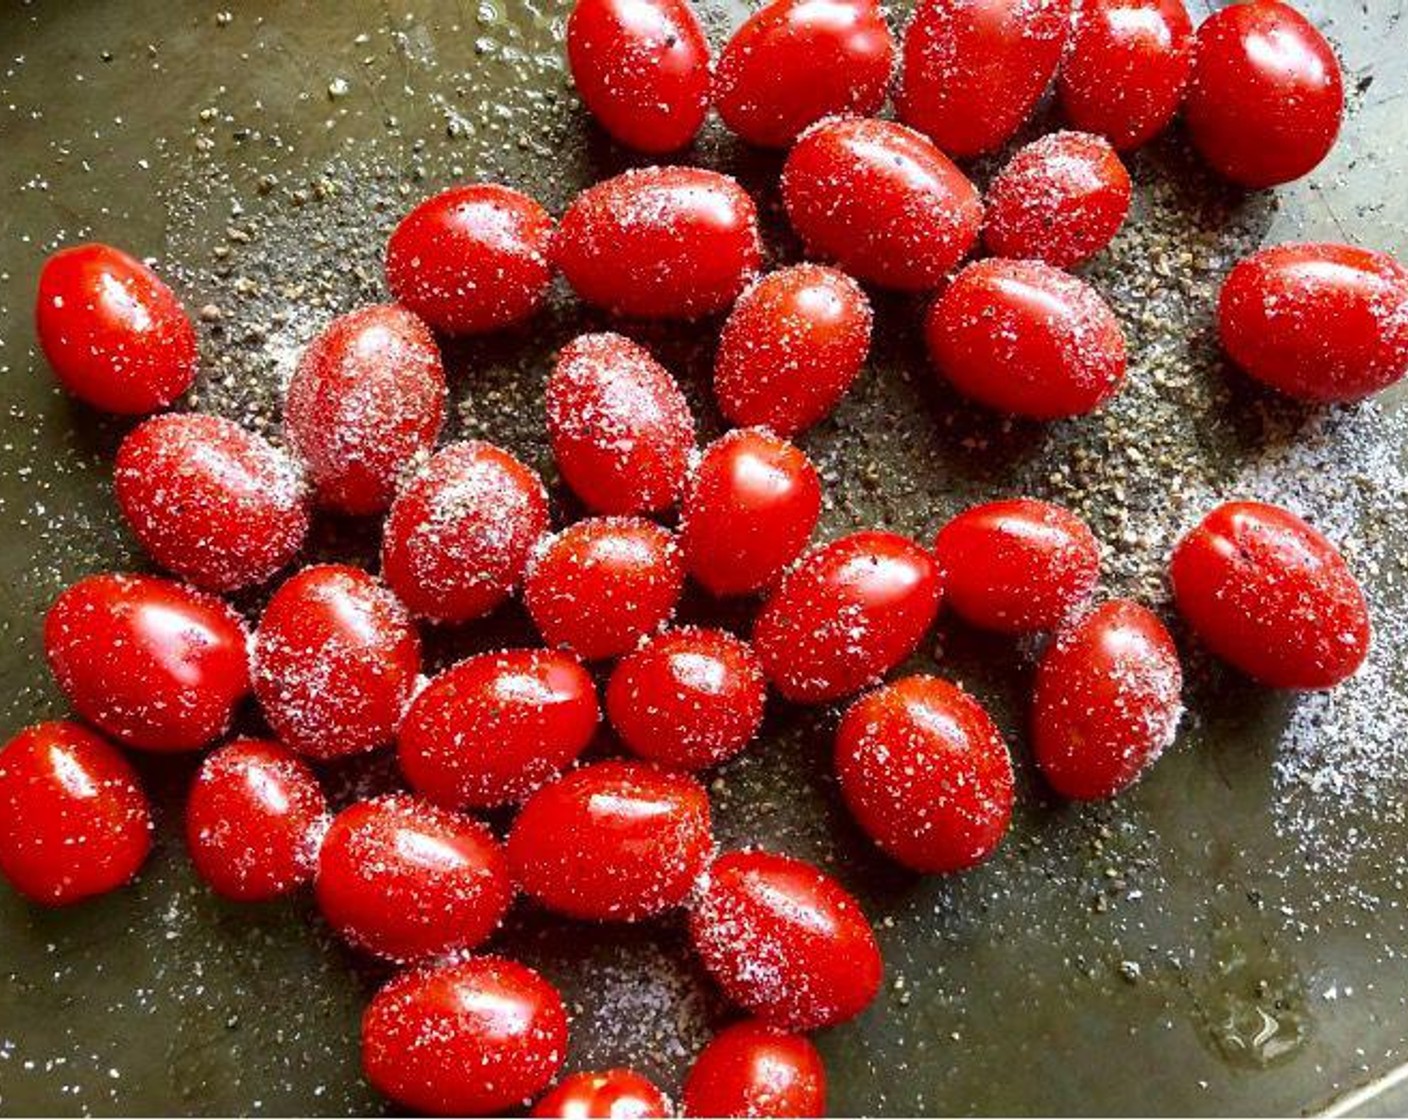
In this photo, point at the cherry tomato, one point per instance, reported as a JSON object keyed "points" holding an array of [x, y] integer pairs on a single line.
{"points": [[602, 585], [753, 1069], [617, 1094], [217, 505], [492, 729], [642, 69], [926, 774], [791, 348], [616, 841], [472, 1038], [1321, 322], [472, 259], [367, 400], [660, 243], [847, 614], [881, 201], [797, 61], [254, 819], [117, 337], [458, 536], [1061, 199], [785, 941], [335, 660], [621, 429], [152, 663], [1025, 338], [689, 698], [1269, 594], [1266, 96], [749, 509], [1108, 701], [973, 70], [74, 821], [407, 880], [1126, 68], [1017, 566]]}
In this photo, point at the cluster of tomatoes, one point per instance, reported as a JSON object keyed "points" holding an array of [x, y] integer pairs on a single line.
{"points": [[334, 661]]}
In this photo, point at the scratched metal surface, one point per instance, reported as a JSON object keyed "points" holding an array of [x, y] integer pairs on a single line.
{"points": [[1226, 939]]}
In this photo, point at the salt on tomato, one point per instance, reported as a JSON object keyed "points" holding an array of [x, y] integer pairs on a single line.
{"points": [[620, 1094], [754, 1069]]}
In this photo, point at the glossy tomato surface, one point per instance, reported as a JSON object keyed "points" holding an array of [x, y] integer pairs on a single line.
{"points": [[753, 1069], [615, 1094], [152, 663]]}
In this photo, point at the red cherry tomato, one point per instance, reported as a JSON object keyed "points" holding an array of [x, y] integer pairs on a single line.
{"points": [[791, 348], [621, 429], [335, 660], [881, 201], [602, 585], [1266, 96], [785, 941], [616, 841], [152, 663], [1017, 566], [749, 509], [471, 1038], [660, 243], [1061, 199], [752, 1069], [1269, 594], [458, 535], [367, 399], [847, 614], [407, 880], [689, 698], [472, 259], [1025, 338], [254, 819], [117, 337], [974, 70], [217, 505], [617, 1094], [74, 821], [492, 729], [642, 69], [1321, 322], [926, 774], [1127, 66], [1108, 701], [797, 61]]}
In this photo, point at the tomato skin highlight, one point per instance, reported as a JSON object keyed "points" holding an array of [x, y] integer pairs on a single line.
{"points": [[155, 664], [881, 201], [1266, 97], [642, 70], [846, 614], [1024, 338], [794, 62], [750, 507], [660, 243], [1017, 566], [615, 1094], [791, 348], [472, 259], [973, 70], [474, 1037], [926, 774], [255, 816], [1320, 322], [1126, 69], [785, 941], [753, 1069], [115, 335], [1271, 596], [1107, 701], [493, 728], [74, 822]]}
